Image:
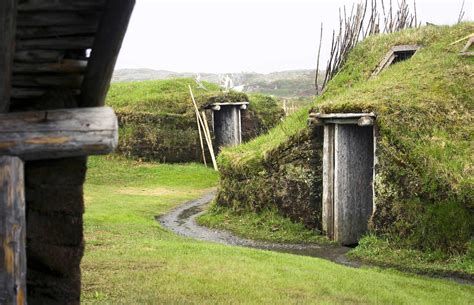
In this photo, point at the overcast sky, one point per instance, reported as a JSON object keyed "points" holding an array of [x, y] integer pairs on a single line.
{"points": [[244, 36]]}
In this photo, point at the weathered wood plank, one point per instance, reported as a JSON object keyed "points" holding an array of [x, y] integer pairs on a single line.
{"points": [[328, 181], [353, 189], [58, 133], [72, 81], [12, 231], [39, 56], [60, 5], [28, 93], [7, 49], [48, 18], [24, 93], [107, 44], [341, 115], [65, 66], [54, 31], [61, 43]]}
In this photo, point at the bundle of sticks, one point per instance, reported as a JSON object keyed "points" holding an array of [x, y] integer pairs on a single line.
{"points": [[203, 130], [359, 24]]}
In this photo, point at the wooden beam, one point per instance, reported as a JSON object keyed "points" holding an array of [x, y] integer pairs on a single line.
{"points": [[64, 66], [107, 44], [71, 81], [60, 5], [57, 43], [58, 133], [39, 56], [12, 232], [20, 93], [54, 31], [341, 115], [48, 18], [7, 49]]}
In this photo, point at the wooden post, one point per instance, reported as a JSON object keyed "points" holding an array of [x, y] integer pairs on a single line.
{"points": [[12, 232], [7, 49], [107, 44], [328, 180]]}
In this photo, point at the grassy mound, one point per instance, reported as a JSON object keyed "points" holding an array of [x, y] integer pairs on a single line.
{"points": [[157, 119], [424, 107]]}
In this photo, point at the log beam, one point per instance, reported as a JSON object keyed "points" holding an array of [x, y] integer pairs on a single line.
{"points": [[56, 43], [107, 44], [58, 18], [60, 5], [58, 133], [7, 49], [64, 66], [12, 232]]}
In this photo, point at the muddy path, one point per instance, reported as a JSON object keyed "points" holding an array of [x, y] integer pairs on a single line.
{"points": [[182, 221]]}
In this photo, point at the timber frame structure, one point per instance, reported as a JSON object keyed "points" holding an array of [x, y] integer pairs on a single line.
{"points": [[56, 61]]}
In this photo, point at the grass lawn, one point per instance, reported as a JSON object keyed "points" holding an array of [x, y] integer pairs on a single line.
{"points": [[130, 259], [268, 225]]}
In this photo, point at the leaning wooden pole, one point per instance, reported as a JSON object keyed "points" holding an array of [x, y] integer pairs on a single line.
{"points": [[208, 138], [12, 232], [208, 133], [200, 140]]}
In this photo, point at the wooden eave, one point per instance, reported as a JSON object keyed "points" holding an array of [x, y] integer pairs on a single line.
{"points": [[361, 119]]}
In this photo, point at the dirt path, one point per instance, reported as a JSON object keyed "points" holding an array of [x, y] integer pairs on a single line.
{"points": [[182, 221]]}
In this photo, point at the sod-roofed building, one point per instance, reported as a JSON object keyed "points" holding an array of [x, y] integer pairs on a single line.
{"points": [[392, 149], [56, 62]]}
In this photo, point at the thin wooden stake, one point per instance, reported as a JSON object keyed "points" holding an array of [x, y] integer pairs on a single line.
{"points": [[200, 140], [208, 138], [208, 132]]}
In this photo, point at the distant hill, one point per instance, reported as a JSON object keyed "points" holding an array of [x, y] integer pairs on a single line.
{"points": [[292, 83]]}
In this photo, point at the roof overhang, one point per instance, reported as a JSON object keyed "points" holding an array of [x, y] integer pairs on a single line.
{"points": [[218, 106], [361, 119]]}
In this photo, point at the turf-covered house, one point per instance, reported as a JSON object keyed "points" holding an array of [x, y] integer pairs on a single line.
{"points": [[388, 149], [56, 62]]}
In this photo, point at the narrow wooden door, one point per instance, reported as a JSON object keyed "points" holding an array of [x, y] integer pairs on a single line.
{"points": [[348, 181]]}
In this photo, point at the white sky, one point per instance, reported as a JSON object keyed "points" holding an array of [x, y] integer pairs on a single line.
{"points": [[244, 36]]}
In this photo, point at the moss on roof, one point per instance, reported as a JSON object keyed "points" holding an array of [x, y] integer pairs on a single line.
{"points": [[159, 96], [424, 110]]}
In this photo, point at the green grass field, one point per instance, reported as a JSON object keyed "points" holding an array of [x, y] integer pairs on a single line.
{"points": [[131, 259], [268, 225]]}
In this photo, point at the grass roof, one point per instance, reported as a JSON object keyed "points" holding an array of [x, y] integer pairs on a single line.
{"points": [[424, 109], [434, 87], [159, 96]]}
